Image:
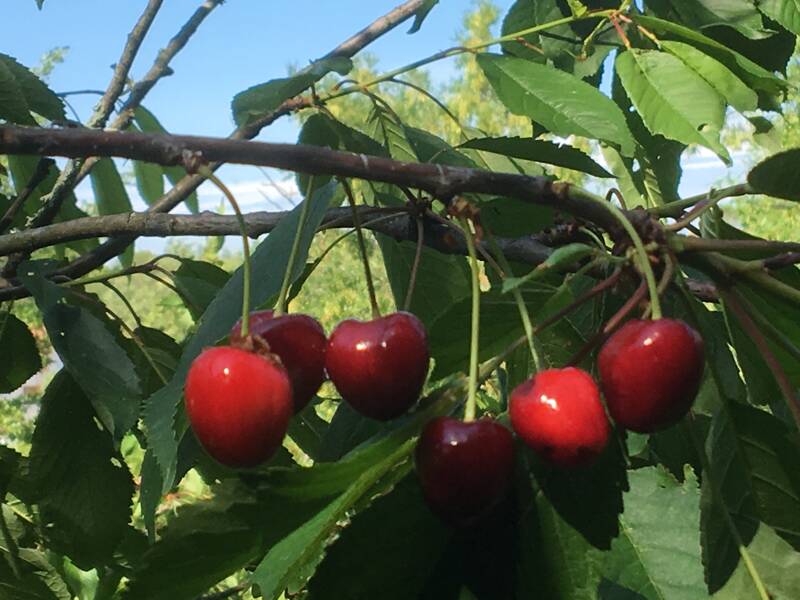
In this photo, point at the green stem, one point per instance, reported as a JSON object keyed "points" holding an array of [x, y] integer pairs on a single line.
{"points": [[716, 492], [412, 278], [362, 245], [280, 306], [641, 253], [463, 49], [469, 409], [674, 209], [209, 174], [760, 278], [527, 325]]}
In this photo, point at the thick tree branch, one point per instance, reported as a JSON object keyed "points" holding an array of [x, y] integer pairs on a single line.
{"points": [[401, 227], [439, 180]]}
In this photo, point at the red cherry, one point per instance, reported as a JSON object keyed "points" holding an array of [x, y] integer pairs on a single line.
{"points": [[299, 341], [464, 468], [379, 366], [558, 413], [650, 372], [239, 404]]}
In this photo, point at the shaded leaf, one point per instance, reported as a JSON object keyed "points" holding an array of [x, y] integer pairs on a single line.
{"points": [[19, 357], [542, 151], [33, 91], [777, 175], [562, 103], [199, 282], [785, 12], [82, 519], [560, 257]]}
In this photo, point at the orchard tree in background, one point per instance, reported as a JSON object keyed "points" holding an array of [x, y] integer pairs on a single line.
{"points": [[562, 380]]}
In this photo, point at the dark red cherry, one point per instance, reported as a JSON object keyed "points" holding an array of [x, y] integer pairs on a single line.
{"points": [[379, 366], [464, 469], [650, 372], [299, 341], [239, 404], [558, 413]]}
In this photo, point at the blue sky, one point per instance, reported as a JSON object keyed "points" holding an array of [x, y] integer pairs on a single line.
{"points": [[242, 43]]}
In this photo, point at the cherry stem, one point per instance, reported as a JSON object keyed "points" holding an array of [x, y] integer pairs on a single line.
{"points": [[209, 174], [412, 279], [281, 305], [643, 260], [527, 325], [376, 313], [469, 409]]}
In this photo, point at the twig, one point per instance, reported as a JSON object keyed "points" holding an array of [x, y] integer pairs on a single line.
{"points": [[676, 208]]}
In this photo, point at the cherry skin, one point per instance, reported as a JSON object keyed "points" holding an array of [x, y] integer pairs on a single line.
{"points": [[299, 341], [558, 413], [464, 469], [379, 366], [650, 372], [239, 404]]}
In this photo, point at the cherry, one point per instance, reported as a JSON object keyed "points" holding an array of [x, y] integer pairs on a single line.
{"points": [[464, 468], [239, 404], [299, 341], [558, 413], [379, 366], [650, 372]]}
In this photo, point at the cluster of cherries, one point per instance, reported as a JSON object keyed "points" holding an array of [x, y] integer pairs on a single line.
{"points": [[240, 398]]}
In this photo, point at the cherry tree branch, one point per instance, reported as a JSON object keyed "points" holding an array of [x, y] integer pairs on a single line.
{"points": [[401, 227]]}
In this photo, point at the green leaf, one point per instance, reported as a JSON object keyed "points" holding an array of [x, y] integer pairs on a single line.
{"points": [[269, 264], [148, 123], [33, 92], [562, 103], [13, 106], [541, 151], [39, 579], [522, 15], [672, 99], [431, 148], [442, 279], [421, 13], [777, 175], [84, 486], [199, 282], [260, 100], [109, 191], [90, 353], [386, 126], [290, 563], [562, 256], [777, 564], [754, 75], [785, 12], [19, 358], [722, 79], [400, 559], [149, 181]]}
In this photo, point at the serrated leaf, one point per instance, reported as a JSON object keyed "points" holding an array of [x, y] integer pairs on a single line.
{"points": [[90, 353], [658, 552], [82, 519], [400, 559], [268, 263], [777, 564], [748, 71], [562, 103], [292, 561], [148, 123], [262, 99], [431, 148], [199, 282], [722, 79], [777, 175], [37, 96], [13, 106], [19, 357], [672, 99], [785, 12], [39, 579], [421, 14], [388, 128], [541, 151]]}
